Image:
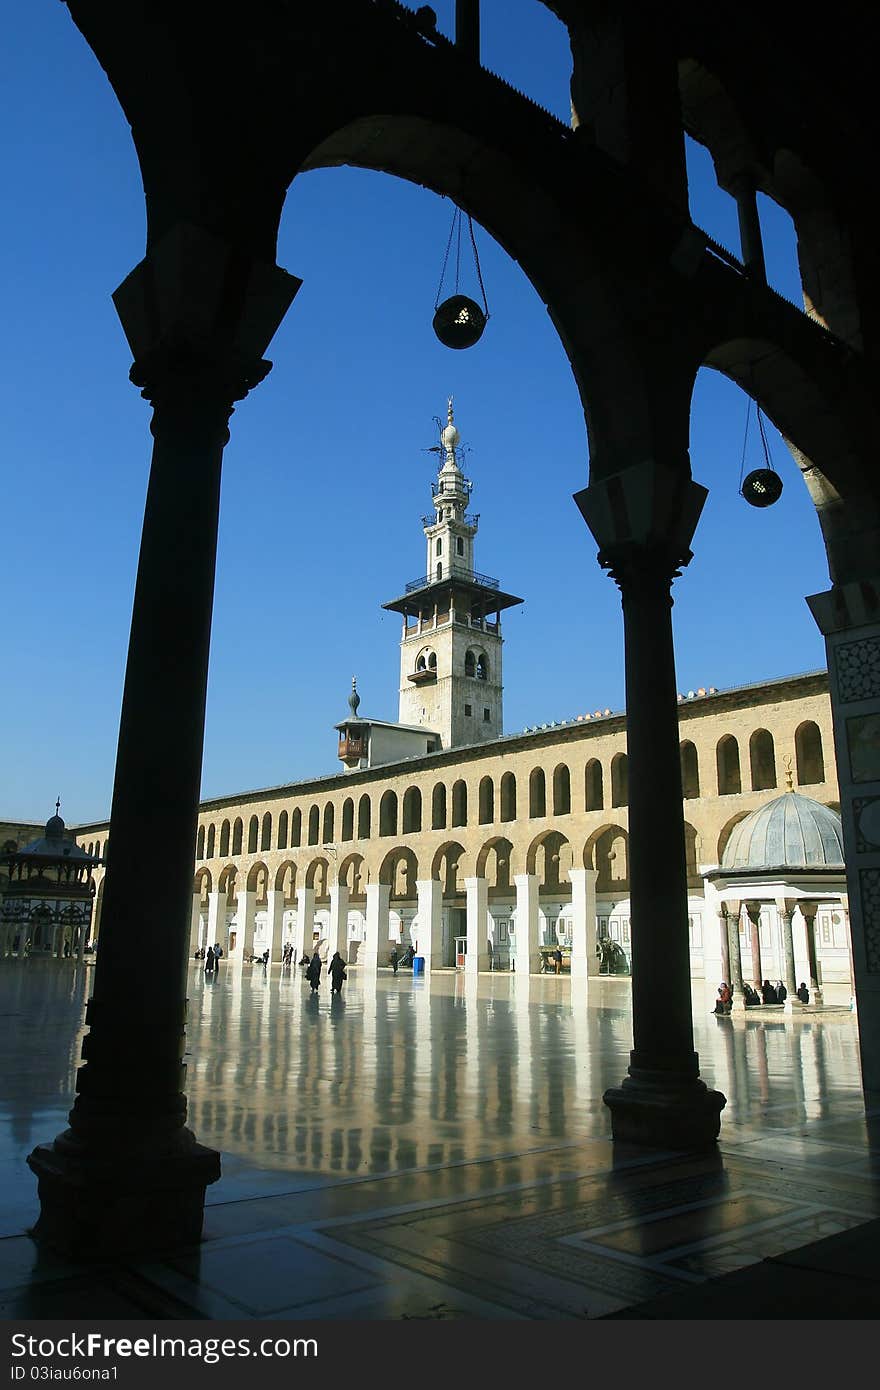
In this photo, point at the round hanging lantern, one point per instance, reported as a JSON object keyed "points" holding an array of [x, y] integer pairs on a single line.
{"points": [[762, 488], [459, 322]]}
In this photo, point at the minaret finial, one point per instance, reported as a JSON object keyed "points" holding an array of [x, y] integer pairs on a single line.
{"points": [[58, 806], [354, 698], [450, 418]]}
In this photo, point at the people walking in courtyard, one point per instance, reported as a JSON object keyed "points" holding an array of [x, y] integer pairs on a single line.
{"points": [[337, 973], [209, 961], [313, 973], [557, 961], [218, 952]]}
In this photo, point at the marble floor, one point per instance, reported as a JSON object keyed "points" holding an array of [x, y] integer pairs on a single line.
{"points": [[439, 1149]]}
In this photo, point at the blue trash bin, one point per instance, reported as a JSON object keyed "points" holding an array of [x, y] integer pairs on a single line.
{"points": [[418, 965]]}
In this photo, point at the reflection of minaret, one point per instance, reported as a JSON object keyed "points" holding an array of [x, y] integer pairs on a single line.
{"points": [[450, 650]]}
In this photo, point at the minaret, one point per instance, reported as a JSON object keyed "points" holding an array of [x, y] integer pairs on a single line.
{"points": [[450, 649]]}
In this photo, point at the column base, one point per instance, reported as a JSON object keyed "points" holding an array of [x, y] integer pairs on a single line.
{"points": [[94, 1205], [665, 1112]]}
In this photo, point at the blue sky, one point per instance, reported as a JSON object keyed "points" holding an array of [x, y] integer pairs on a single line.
{"points": [[326, 476]]}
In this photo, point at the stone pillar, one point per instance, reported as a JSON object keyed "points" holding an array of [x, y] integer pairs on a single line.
{"points": [[337, 931], [128, 1174], [430, 921], [375, 942], [528, 956], [753, 912], [477, 957], [732, 912], [195, 924], [849, 618], [584, 961], [247, 909], [275, 904], [808, 912], [786, 907], [305, 922], [644, 519], [216, 915]]}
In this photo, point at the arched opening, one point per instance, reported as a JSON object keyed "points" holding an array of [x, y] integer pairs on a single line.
{"points": [[762, 760], [210, 850], [486, 800], [470, 664], [237, 833], [459, 803], [388, 813], [508, 797], [412, 811], [266, 832], [347, 832], [364, 818], [494, 864], [482, 668], [690, 771], [619, 780], [692, 849], [200, 843], [314, 826], [594, 790], [253, 834], [808, 754], [537, 794], [296, 829], [283, 827], [727, 761], [607, 853], [327, 824], [438, 807], [224, 839], [561, 790]]}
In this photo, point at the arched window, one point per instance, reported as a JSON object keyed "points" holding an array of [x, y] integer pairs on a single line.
{"points": [[561, 791], [283, 824], [327, 830], [762, 758], [537, 793], [508, 796], [296, 829], [200, 843], [727, 759], [459, 804], [364, 818], [620, 780], [253, 833], [690, 772], [97, 849], [211, 842], [314, 825], [432, 661], [482, 669], [459, 545], [808, 752], [347, 819], [439, 571], [439, 550], [412, 811], [487, 801], [438, 807], [266, 834], [470, 664], [224, 839], [388, 814], [237, 833], [594, 791]]}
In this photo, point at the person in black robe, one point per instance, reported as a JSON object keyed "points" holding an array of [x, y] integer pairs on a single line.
{"points": [[313, 974], [209, 961], [337, 973]]}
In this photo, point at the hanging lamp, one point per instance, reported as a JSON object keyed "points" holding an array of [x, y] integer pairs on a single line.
{"points": [[459, 321], [763, 486]]}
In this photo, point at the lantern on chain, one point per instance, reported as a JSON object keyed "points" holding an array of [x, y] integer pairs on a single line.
{"points": [[763, 486], [458, 320]]}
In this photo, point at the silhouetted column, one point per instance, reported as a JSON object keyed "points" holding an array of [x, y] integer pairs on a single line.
{"points": [[643, 520], [750, 237], [128, 1174], [477, 957]]}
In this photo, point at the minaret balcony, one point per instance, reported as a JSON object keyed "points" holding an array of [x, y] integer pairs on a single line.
{"points": [[352, 747], [427, 676], [450, 573]]}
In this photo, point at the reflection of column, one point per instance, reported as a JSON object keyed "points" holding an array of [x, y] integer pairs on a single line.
{"points": [[477, 957], [214, 907], [305, 921], [273, 924], [430, 924], [528, 956], [195, 924], [337, 933], [753, 912], [808, 912], [584, 961], [375, 927], [785, 907], [244, 938], [644, 518]]}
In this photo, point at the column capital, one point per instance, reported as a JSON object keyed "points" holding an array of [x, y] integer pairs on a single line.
{"points": [[643, 520]]}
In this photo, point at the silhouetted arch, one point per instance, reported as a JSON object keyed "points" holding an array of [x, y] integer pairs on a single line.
{"points": [[296, 821], [459, 803], [808, 752], [388, 813], [470, 664], [200, 843], [727, 761], [620, 780], [412, 811], [438, 807], [762, 760], [508, 797], [347, 819], [237, 834], [266, 832], [537, 793], [314, 825], [692, 847], [561, 790], [365, 818], [327, 825], [690, 771], [253, 834], [486, 801], [210, 848], [224, 839], [594, 789]]}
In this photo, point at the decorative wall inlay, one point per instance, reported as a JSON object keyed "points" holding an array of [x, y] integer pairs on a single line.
{"points": [[866, 813], [863, 742], [858, 669], [869, 880]]}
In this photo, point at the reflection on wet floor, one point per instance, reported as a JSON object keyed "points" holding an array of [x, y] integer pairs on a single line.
{"points": [[443, 1143]]}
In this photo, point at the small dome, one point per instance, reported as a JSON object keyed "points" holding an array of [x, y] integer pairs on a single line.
{"points": [[791, 832], [54, 828]]}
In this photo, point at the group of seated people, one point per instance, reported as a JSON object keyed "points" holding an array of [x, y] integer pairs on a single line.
{"points": [[768, 994]]}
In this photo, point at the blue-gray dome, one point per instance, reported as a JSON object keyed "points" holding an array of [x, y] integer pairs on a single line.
{"points": [[791, 832]]}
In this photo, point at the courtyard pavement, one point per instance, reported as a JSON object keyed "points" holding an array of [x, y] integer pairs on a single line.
{"points": [[439, 1148]]}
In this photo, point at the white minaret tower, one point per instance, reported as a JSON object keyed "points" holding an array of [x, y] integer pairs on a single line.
{"points": [[450, 649]]}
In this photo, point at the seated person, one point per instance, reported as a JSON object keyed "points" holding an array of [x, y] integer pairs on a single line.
{"points": [[724, 1002], [750, 994], [803, 993], [768, 993]]}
